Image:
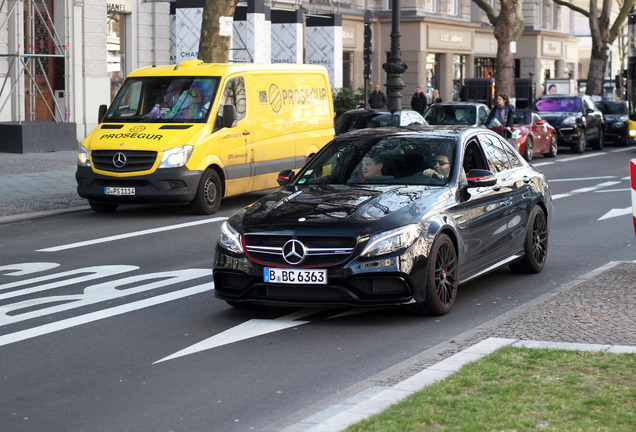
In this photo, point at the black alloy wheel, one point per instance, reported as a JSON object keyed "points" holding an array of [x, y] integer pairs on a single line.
{"points": [[536, 244], [553, 147], [581, 144], [441, 278]]}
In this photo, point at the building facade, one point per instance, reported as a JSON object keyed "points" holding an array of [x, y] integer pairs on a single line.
{"points": [[61, 59]]}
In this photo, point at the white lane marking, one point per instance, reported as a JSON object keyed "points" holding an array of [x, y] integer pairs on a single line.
{"points": [[10, 313], [27, 268], [583, 190], [568, 180], [616, 213], [102, 314], [95, 272], [575, 158], [246, 330], [129, 235]]}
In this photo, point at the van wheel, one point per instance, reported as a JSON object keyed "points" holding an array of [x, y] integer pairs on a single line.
{"points": [[209, 193], [100, 207]]}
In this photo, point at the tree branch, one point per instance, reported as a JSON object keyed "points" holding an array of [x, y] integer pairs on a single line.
{"points": [[490, 12], [572, 6]]}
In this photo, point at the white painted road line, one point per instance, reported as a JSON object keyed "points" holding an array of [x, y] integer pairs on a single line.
{"points": [[129, 235]]}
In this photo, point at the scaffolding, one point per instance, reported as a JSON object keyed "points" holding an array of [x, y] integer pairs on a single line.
{"points": [[37, 46]]}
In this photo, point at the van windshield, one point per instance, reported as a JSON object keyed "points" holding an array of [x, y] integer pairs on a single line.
{"points": [[164, 100]]}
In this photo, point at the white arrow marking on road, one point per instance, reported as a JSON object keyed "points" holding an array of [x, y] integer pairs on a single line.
{"points": [[129, 235], [616, 213], [247, 330]]}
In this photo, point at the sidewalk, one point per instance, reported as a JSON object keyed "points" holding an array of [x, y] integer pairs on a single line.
{"points": [[594, 311]]}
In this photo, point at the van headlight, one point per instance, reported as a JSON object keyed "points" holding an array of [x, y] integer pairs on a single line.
{"points": [[391, 241], [230, 239], [83, 158], [176, 157]]}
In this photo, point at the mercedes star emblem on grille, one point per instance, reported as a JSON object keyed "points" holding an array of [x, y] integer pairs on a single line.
{"points": [[119, 160], [294, 252]]}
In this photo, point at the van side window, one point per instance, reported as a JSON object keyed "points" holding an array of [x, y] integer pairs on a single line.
{"points": [[234, 94]]}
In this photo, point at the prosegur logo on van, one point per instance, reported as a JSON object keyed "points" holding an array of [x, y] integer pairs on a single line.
{"points": [[133, 132], [277, 97]]}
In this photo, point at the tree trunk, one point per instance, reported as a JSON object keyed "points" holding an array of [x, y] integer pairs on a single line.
{"points": [[214, 48], [504, 33]]}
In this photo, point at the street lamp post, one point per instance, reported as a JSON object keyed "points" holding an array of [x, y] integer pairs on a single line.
{"points": [[395, 66]]}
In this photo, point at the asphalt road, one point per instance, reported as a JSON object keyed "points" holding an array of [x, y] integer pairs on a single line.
{"points": [[109, 323]]}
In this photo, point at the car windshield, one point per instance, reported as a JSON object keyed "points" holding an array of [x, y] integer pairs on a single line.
{"points": [[521, 118], [450, 115], [381, 160], [164, 100], [612, 107], [566, 104]]}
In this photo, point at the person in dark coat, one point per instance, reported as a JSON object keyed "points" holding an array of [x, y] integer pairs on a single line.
{"points": [[377, 99], [503, 112], [418, 101]]}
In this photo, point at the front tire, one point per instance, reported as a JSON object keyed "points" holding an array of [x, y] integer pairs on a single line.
{"points": [[441, 278], [598, 144], [209, 193], [579, 147], [528, 150], [536, 244], [553, 147]]}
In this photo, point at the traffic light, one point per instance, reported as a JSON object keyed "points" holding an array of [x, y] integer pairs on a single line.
{"points": [[368, 50]]}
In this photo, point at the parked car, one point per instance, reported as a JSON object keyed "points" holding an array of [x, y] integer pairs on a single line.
{"points": [[616, 124], [534, 135], [368, 118], [447, 205], [575, 117], [457, 113]]}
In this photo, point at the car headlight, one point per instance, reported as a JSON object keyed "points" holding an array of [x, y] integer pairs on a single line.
{"points": [[176, 157], [83, 158], [391, 241], [570, 121], [230, 239]]}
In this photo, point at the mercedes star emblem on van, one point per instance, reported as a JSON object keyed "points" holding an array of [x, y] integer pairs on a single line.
{"points": [[119, 160]]}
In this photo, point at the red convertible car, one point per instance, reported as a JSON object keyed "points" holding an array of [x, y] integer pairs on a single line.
{"points": [[534, 135]]}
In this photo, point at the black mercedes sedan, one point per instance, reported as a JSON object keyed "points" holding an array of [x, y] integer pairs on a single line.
{"points": [[388, 216]]}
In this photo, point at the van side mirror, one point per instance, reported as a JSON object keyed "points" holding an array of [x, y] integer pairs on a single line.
{"points": [[285, 177], [480, 178], [229, 115], [101, 113]]}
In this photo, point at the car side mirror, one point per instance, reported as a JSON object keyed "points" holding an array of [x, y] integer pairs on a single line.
{"points": [[101, 113], [589, 111], [540, 122], [229, 116], [285, 177], [480, 178]]}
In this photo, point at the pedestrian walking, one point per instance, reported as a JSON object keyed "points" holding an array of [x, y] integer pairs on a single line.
{"points": [[377, 99], [435, 97], [418, 101]]}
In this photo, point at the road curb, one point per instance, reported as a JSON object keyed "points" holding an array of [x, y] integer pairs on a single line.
{"points": [[40, 214]]}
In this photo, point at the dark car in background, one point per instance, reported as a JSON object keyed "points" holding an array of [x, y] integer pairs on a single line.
{"points": [[457, 113], [448, 205], [616, 124], [534, 135], [367, 118], [575, 117]]}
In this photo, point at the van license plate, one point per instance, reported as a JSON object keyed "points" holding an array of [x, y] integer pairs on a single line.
{"points": [[119, 191], [295, 276]]}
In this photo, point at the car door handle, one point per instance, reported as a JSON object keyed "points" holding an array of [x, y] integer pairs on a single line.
{"points": [[246, 133], [497, 187], [526, 179]]}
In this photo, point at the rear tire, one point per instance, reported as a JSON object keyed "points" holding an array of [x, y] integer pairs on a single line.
{"points": [[441, 278], [553, 147], [536, 244], [209, 193], [100, 207]]}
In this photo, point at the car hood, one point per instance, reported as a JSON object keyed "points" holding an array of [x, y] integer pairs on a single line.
{"points": [[613, 118], [362, 208], [556, 118]]}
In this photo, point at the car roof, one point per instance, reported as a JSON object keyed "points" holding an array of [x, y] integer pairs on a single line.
{"points": [[441, 131], [459, 103]]}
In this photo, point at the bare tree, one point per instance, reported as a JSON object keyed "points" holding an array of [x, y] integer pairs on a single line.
{"points": [[508, 28], [602, 38], [214, 48]]}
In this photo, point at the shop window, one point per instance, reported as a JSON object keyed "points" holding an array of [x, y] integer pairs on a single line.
{"points": [[347, 69], [115, 44]]}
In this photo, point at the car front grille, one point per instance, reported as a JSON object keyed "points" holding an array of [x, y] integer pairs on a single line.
{"points": [[135, 160], [317, 251]]}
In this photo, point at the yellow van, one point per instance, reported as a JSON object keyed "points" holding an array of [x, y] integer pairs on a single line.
{"points": [[194, 133]]}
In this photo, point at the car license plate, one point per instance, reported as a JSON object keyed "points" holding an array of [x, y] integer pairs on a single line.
{"points": [[295, 276], [119, 191]]}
